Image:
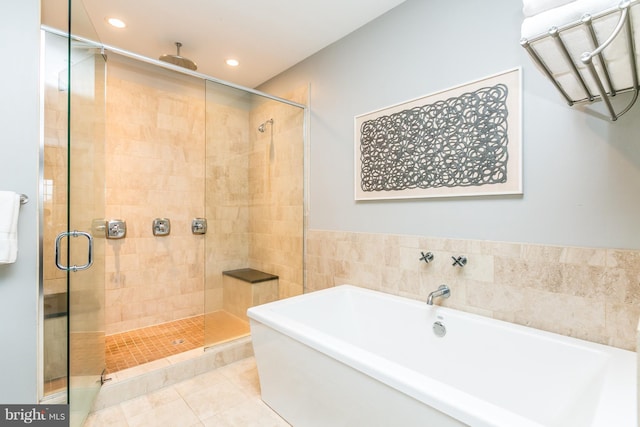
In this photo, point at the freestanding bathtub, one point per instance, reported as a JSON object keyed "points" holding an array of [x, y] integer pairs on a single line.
{"points": [[348, 356]]}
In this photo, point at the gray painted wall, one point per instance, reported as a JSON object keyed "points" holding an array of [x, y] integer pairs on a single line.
{"points": [[581, 173], [19, 144]]}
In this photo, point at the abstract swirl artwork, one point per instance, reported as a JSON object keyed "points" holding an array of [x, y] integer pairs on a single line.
{"points": [[459, 142]]}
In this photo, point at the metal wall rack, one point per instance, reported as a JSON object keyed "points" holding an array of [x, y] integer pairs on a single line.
{"points": [[593, 75]]}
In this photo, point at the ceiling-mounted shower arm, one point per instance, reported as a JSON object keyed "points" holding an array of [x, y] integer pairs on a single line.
{"points": [[262, 127]]}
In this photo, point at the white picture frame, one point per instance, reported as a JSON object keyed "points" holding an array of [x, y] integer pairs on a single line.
{"points": [[462, 141]]}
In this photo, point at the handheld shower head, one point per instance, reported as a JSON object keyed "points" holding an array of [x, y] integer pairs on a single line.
{"points": [[262, 127]]}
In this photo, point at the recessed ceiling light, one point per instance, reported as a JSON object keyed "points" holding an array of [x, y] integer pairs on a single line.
{"points": [[118, 23], [232, 62]]}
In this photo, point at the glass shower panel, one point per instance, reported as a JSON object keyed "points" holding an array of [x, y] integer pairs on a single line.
{"points": [[86, 213], [73, 198], [254, 203], [86, 206], [154, 175]]}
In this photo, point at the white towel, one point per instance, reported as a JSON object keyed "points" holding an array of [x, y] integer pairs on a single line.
{"points": [[534, 7], [9, 210], [563, 15]]}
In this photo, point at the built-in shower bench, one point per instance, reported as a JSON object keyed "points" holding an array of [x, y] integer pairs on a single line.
{"points": [[247, 287]]}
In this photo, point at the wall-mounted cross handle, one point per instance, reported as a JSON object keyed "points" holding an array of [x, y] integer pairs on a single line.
{"points": [[426, 257], [459, 261]]}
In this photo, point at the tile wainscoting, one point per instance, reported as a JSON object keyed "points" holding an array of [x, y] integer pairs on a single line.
{"points": [[587, 293]]}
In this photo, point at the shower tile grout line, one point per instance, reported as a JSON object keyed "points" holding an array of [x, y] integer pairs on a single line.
{"points": [[136, 347]]}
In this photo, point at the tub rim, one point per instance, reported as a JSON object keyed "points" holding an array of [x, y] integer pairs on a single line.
{"points": [[476, 412]]}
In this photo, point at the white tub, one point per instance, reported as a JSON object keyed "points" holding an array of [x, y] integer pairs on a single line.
{"points": [[348, 356]]}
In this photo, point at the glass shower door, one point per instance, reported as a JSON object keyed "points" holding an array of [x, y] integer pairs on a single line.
{"points": [[80, 250], [86, 228]]}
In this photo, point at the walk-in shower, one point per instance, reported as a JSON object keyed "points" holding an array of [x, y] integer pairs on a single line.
{"points": [[178, 146]]}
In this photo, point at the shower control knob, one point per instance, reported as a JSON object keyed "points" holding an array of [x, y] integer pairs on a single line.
{"points": [[161, 227], [116, 229], [199, 226]]}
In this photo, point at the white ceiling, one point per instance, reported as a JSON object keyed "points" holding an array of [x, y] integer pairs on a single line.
{"points": [[266, 36]]}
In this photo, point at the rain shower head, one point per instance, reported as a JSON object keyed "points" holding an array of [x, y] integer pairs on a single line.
{"points": [[262, 127], [178, 60]]}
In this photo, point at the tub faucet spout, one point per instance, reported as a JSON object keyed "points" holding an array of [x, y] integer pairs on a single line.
{"points": [[443, 291]]}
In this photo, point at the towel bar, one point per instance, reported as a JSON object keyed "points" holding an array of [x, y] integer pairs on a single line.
{"points": [[584, 66], [24, 199]]}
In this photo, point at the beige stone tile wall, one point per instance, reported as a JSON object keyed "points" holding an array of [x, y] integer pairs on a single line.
{"points": [[638, 371], [227, 192], [587, 293], [155, 145], [276, 182]]}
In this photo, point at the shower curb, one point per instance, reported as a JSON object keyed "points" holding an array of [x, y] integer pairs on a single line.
{"points": [[156, 375]]}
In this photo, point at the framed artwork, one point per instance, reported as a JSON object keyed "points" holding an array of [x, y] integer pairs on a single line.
{"points": [[463, 141]]}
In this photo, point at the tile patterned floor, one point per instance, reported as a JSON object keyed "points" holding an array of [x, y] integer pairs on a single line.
{"points": [[133, 348], [225, 397]]}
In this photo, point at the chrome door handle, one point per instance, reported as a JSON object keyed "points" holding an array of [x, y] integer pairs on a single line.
{"points": [[74, 233]]}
